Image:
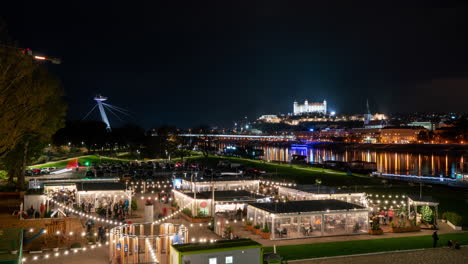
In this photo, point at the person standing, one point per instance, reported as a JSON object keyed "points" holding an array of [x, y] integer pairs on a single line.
{"points": [[435, 237], [30, 212], [42, 209]]}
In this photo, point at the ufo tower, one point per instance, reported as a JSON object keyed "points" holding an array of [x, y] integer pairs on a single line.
{"points": [[99, 99]]}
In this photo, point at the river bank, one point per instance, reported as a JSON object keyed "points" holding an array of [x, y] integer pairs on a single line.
{"points": [[406, 148]]}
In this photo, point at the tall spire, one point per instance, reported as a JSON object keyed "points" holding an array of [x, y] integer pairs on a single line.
{"points": [[367, 105]]}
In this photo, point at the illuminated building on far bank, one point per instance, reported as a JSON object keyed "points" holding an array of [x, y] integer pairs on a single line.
{"points": [[299, 109]]}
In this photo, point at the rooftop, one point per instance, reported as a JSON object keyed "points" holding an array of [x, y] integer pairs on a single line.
{"points": [[102, 186], [318, 189], [240, 195], [223, 178], [245, 242], [305, 206], [423, 199]]}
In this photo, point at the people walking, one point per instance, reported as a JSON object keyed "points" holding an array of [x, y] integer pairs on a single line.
{"points": [[435, 238]]}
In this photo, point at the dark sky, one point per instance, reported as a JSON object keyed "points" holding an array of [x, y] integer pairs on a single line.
{"points": [[172, 62]]}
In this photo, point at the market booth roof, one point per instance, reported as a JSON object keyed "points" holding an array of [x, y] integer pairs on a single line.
{"points": [[108, 186], [245, 242], [240, 195], [306, 206]]}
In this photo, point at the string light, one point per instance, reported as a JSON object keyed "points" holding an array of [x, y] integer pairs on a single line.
{"points": [[84, 214], [57, 254], [151, 251]]}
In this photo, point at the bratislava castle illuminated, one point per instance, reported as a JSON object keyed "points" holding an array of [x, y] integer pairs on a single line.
{"points": [[310, 107]]}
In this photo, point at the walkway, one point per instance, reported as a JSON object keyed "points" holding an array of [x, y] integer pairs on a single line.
{"points": [[427, 256], [240, 230]]}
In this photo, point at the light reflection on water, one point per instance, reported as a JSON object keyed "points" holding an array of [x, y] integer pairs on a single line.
{"points": [[387, 162]]}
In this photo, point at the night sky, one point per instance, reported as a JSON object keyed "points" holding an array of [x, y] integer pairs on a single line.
{"points": [[187, 64]]}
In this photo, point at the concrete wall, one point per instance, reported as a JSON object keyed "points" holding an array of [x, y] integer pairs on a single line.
{"points": [[244, 256]]}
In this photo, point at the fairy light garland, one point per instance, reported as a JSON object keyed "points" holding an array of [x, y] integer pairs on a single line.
{"points": [[64, 253], [151, 251], [382, 201], [84, 214]]}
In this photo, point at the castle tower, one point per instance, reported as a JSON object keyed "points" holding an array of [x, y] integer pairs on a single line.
{"points": [[368, 115], [295, 107], [324, 106]]}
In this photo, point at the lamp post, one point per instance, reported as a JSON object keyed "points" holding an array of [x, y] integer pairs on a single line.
{"points": [[212, 196]]}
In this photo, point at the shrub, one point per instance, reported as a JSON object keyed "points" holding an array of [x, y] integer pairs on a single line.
{"points": [[134, 205], [228, 230], [265, 228], [426, 214], [256, 226], [187, 212], [453, 217], [174, 204], [375, 226], [76, 245], [249, 223], [47, 214], [202, 213]]}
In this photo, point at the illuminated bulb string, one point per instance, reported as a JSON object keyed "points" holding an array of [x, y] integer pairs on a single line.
{"points": [[84, 214], [65, 253], [151, 251]]}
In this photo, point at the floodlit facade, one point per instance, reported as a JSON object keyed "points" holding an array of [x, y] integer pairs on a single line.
{"points": [[307, 107], [311, 218]]}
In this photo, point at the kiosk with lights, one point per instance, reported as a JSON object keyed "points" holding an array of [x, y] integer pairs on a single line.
{"points": [[309, 218], [319, 192], [144, 242], [225, 201]]}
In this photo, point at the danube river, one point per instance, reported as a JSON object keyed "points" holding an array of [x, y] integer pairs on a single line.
{"points": [[387, 162]]}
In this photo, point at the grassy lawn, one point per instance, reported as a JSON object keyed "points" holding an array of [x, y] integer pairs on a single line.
{"points": [[82, 160], [296, 173], [330, 249]]}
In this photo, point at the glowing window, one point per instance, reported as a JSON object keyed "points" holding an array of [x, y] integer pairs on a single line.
{"points": [[213, 261], [229, 260]]}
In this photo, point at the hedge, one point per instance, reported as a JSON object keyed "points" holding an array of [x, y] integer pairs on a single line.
{"points": [[453, 217]]}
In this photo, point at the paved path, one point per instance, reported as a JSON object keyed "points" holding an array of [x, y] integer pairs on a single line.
{"points": [[239, 230], [427, 256]]}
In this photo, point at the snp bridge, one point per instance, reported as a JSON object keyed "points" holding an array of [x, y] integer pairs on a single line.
{"points": [[245, 137]]}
